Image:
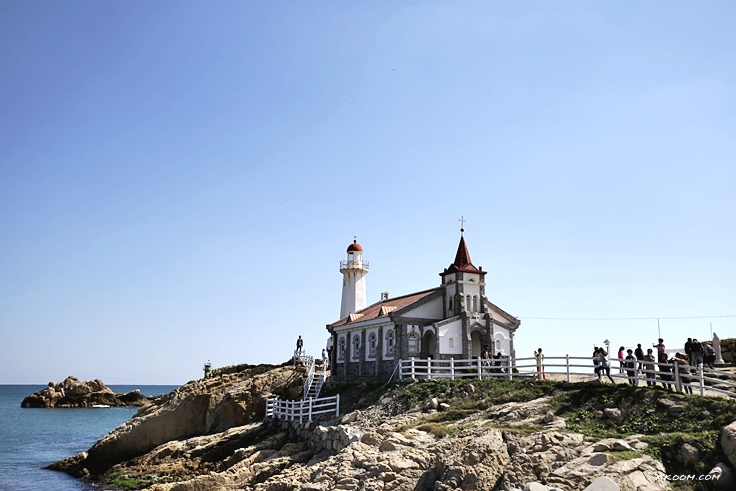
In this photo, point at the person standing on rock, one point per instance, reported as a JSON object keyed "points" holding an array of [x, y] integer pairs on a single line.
{"points": [[603, 365], [649, 368], [710, 355], [540, 365], [685, 373], [299, 344], [595, 360], [696, 358], [639, 353], [661, 354], [630, 364]]}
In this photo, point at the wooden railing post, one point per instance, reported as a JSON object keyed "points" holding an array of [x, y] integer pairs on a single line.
{"points": [[310, 409], [337, 406], [429, 367], [480, 370], [678, 382], [452, 368], [413, 373], [700, 376], [567, 367], [509, 370]]}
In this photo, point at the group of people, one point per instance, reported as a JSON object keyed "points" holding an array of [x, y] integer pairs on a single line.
{"points": [[495, 361], [632, 361]]}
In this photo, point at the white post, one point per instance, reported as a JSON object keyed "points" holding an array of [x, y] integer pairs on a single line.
{"points": [[480, 370], [567, 367], [429, 367], [700, 376], [413, 375], [337, 405], [452, 368], [508, 368], [310, 409], [636, 372], [678, 383]]}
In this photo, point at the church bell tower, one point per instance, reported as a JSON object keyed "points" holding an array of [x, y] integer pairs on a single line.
{"points": [[353, 272]]}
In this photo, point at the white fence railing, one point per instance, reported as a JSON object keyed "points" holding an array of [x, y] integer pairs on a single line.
{"points": [[301, 356], [310, 376], [673, 375], [302, 410]]}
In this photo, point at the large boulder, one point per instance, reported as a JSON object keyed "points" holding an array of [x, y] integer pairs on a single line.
{"points": [[73, 392], [226, 399], [728, 442]]}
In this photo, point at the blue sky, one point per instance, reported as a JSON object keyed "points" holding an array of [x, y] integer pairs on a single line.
{"points": [[179, 180]]}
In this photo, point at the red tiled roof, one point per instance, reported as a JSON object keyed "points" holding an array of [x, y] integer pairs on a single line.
{"points": [[383, 308]]}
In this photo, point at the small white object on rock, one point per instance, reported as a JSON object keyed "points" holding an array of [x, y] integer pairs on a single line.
{"points": [[535, 486], [603, 484]]}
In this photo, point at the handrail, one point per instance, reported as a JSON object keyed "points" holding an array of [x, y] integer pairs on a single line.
{"points": [[310, 377], [394, 372], [681, 377]]}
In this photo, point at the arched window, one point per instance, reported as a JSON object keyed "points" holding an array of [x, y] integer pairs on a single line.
{"points": [[452, 343], [468, 303], [390, 342], [413, 343], [341, 349], [450, 307], [356, 347], [372, 345], [498, 345], [475, 303]]}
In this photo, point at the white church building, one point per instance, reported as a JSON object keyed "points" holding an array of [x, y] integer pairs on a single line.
{"points": [[453, 320]]}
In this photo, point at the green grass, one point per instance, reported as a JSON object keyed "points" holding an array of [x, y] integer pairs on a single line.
{"points": [[122, 481], [437, 429], [625, 455]]}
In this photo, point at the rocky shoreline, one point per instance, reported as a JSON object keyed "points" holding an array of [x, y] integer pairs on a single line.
{"points": [[73, 392], [491, 435]]}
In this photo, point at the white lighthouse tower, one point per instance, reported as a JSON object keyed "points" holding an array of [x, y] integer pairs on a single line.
{"points": [[353, 281]]}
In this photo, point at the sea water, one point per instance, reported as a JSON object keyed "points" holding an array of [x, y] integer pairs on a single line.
{"points": [[31, 439]]}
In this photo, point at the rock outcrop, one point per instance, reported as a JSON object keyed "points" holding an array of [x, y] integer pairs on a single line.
{"points": [[210, 435], [228, 398], [73, 392]]}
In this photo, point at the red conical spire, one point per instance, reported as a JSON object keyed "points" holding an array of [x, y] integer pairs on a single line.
{"points": [[462, 259]]}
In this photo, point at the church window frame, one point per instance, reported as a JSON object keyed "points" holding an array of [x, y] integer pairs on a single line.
{"points": [[341, 349], [468, 302], [372, 343], [356, 347], [475, 303], [450, 308], [451, 343], [390, 342]]}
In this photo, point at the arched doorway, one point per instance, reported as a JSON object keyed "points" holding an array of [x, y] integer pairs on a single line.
{"points": [[477, 340], [429, 344]]}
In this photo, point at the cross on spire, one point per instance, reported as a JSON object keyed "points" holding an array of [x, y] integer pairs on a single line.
{"points": [[462, 224]]}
